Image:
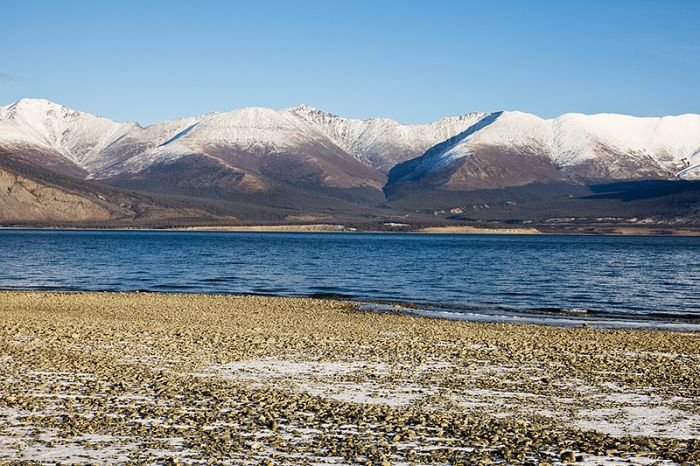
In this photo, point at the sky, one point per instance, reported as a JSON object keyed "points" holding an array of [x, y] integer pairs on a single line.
{"points": [[414, 61]]}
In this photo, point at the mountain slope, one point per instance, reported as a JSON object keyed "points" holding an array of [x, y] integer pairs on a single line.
{"points": [[255, 150], [73, 141], [381, 143], [24, 199], [514, 149], [31, 194], [246, 152]]}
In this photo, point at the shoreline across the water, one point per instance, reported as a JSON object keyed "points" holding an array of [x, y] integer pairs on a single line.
{"points": [[184, 378], [612, 230]]}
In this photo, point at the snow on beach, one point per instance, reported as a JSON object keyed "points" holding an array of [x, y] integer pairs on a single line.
{"points": [[111, 377]]}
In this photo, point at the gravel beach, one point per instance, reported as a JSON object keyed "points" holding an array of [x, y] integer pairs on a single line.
{"points": [[95, 378]]}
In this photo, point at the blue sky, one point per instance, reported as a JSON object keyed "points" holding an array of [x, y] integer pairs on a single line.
{"points": [[413, 61]]}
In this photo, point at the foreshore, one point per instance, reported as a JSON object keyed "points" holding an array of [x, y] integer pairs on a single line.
{"points": [[190, 379]]}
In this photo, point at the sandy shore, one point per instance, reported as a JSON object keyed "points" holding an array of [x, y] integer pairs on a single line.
{"points": [[154, 378]]}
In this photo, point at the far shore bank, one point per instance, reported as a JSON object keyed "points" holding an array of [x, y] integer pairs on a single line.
{"points": [[331, 228], [185, 378], [577, 230]]}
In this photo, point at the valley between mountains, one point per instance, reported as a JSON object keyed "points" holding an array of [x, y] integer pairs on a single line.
{"points": [[256, 166]]}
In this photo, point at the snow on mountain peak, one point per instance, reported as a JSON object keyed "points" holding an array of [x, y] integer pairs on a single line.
{"points": [[76, 136], [663, 145], [303, 108], [383, 142], [602, 146], [252, 128], [41, 105], [36, 111]]}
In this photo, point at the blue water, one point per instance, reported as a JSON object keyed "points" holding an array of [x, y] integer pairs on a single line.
{"points": [[485, 277]]}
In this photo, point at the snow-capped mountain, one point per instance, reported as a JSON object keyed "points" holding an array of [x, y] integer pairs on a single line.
{"points": [[256, 149], [255, 146], [515, 148], [381, 142], [72, 140], [103, 148], [58, 164]]}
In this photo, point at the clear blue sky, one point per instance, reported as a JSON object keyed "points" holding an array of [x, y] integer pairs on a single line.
{"points": [[413, 61]]}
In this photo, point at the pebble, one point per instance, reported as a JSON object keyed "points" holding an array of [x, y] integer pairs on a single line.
{"points": [[138, 369]]}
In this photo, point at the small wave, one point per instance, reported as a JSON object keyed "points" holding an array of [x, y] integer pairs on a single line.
{"points": [[574, 310], [330, 295], [559, 310], [384, 308], [558, 317], [216, 280]]}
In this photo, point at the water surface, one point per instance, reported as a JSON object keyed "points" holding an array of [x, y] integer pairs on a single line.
{"points": [[574, 279]]}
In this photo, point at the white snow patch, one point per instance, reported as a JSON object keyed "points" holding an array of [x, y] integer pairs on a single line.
{"points": [[656, 421], [331, 379]]}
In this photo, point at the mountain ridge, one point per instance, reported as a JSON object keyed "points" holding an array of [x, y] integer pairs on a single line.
{"points": [[306, 161], [580, 148], [368, 140]]}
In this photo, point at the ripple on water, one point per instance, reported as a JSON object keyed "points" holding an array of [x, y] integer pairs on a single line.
{"points": [[521, 278]]}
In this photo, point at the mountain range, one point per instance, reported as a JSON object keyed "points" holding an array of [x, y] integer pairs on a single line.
{"points": [[301, 164]]}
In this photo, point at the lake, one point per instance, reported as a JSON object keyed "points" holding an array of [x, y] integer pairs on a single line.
{"points": [[597, 280]]}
